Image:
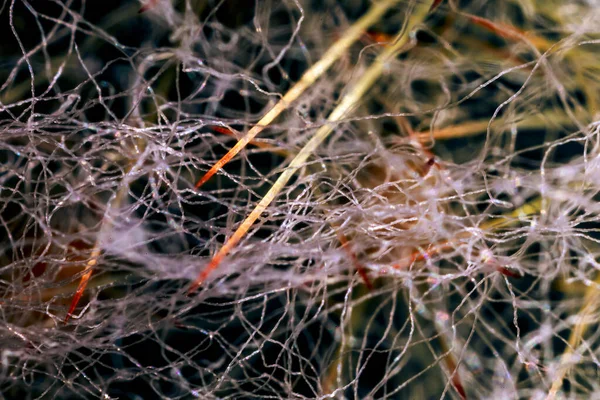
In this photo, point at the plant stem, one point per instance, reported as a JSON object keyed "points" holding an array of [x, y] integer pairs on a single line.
{"points": [[319, 68], [341, 111], [590, 306]]}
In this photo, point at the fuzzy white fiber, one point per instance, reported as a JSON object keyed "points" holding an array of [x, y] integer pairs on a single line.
{"points": [[441, 241]]}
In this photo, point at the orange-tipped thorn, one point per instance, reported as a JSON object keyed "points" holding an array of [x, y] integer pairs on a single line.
{"points": [[505, 31], [227, 247], [458, 386], [435, 5], [80, 289], [84, 282], [452, 367], [149, 5], [230, 154], [510, 32], [231, 132], [507, 272], [260, 145], [214, 263], [379, 37]]}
